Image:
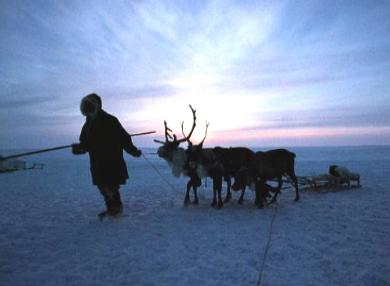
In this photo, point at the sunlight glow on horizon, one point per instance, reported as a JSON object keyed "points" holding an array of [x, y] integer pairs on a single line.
{"points": [[297, 136]]}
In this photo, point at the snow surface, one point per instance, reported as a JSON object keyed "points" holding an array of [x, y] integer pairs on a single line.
{"points": [[50, 235]]}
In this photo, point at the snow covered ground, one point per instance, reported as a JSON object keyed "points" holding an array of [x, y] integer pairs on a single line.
{"points": [[49, 233]]}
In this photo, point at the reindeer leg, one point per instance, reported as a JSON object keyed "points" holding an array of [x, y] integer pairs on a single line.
{"points": [[214, 203], [259, 194], [229, 193], [217, 187], [293, 177], [187, 196], [196, 201], [296, 188], [280, 183], [241, 199], [220, 202], [197, 183]]}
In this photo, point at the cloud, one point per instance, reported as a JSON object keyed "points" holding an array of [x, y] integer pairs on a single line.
{"points": [[241, 62]]}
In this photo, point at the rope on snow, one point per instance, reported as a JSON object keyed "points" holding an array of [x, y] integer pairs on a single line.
{"points": [[267, 246]]}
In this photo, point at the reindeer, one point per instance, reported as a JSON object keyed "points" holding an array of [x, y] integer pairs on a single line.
{"points": [[233, 159], [206, 164], [268, 166], [218, 163], [176, 158]]}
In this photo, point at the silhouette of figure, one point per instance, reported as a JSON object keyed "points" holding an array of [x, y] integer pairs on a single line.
{"points": [[104, 138]]}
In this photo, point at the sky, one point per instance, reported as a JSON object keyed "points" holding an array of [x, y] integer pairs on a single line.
{"points": [[263, 73]]}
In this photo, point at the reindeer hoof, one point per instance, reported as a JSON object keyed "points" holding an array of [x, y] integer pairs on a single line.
{"points": [[186, 203], [213, 204], [240, 201], [226, 200], [196, 202]]}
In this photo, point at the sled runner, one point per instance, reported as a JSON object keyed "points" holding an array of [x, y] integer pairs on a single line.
{"points": [[338, 177]]}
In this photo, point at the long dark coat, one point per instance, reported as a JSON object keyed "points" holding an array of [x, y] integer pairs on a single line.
{"points": [[105, 139]]}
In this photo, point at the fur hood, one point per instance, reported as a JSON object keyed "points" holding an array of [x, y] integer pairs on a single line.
{"points": [[90, 105]]}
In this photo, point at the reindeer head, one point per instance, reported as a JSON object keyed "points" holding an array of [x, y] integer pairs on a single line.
{"points": [[195, 153], [170, 150]]}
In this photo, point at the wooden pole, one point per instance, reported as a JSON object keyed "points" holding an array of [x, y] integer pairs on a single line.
{"points": [[142, 133], [35, 152], [58, 148]]}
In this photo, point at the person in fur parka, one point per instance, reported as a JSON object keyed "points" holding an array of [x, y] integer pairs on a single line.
{"points": [[104, 138]]}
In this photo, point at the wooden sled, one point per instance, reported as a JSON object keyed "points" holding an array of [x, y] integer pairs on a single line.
{"points": [[327, 182], [8, 166]]}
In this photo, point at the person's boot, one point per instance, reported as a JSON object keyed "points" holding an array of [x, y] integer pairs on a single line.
{"points": [[107, 196], [112, 200], [104, 213], [116, 207]]}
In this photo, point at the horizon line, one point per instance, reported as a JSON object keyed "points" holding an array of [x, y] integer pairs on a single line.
{"points": [[265, 146]]}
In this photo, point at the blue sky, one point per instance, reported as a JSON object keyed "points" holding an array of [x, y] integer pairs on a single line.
{"points": [[263, 73]]}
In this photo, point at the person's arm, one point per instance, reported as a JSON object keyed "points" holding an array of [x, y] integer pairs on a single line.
{"points": [[82, 147], [127, 143]]}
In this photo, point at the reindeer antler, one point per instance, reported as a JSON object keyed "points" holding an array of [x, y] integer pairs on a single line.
{"points": [[173, 136], [184, 135], [167, 130], [187, 138], [167, 135], [205, 134]]}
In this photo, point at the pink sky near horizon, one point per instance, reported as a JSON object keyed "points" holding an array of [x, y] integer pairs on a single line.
{"points": [[318, 136]]}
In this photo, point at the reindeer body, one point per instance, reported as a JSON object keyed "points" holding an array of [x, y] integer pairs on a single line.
{"points": [[206, 164], [273, 164], [232, 160], [219, 164]]}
